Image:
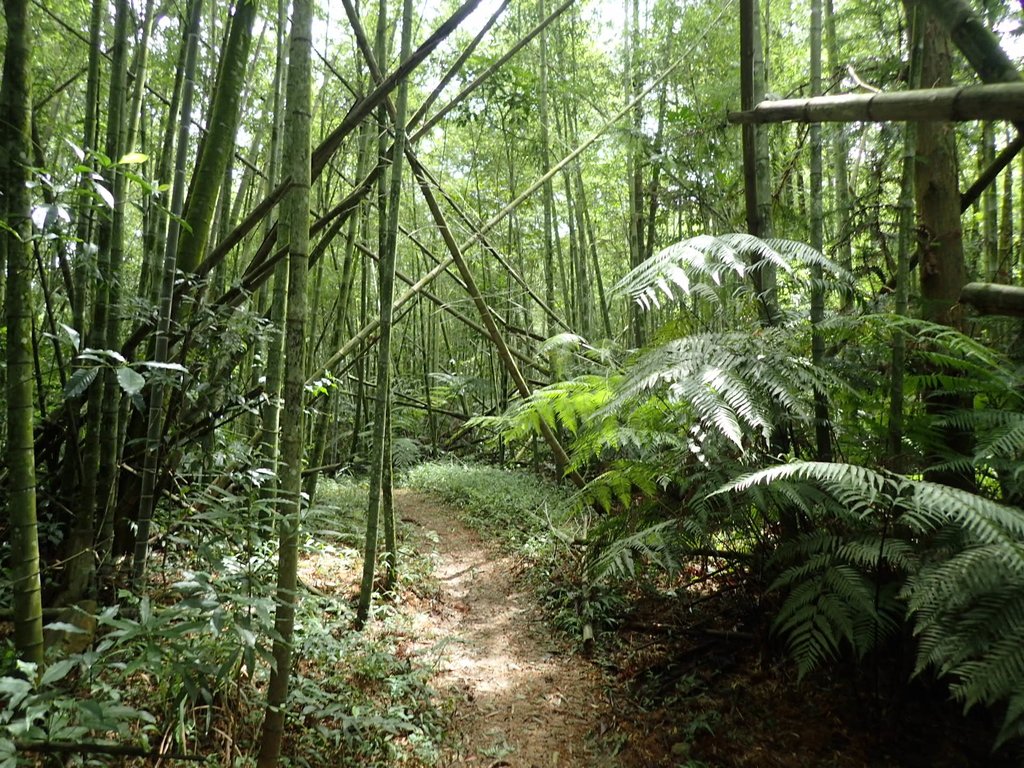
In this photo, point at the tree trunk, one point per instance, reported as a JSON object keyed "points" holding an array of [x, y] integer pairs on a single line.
{"points": [[80, 482], [840, 158], [219, 141], [113, 241], [635, 226], [147, 500], [895, 453], [386, 296], [545, 164], [989, 206], [940, 243], [155, 236], [387, 506], [90, 136], [822, 424], [1004, 269], [756, 163], [15, 160], [270, 414], [103, 404]]}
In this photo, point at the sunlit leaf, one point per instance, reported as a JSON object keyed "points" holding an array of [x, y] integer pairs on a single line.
{"points": [[79, 152], [105, 194], [75, 336], [133, 158], [164, 366], [111, 354], [131, 381]]}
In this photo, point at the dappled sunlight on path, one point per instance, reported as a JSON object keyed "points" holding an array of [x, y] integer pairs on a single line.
{"points": [[520, 699]]}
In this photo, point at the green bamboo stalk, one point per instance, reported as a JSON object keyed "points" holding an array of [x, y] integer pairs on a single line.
{"points": [[294, 222], [386, 294], [15, 160], [147, 499], [220, 139]]}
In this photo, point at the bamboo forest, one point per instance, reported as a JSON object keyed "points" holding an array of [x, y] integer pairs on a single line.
{"points": [[526, 383]]}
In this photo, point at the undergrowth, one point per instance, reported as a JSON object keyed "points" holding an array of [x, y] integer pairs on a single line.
{"points": [[186, 669], [520, 509]]}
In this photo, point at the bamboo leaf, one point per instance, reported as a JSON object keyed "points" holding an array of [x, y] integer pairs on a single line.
{"points": [[75, 336], [133, 158], [111, 354], [79, 382], [105, 194], [131, 381], [164, 366]]}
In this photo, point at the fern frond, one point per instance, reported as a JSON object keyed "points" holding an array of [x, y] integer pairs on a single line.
{"points": [[561, 341], [930, 505], [852, 479], [1013, 722], [736, 385], [563, 404], [406, 452], [687, 267], [957, 344], [820, 616], [993, 676], [620, 558], [618, 485], [1005, 440]]}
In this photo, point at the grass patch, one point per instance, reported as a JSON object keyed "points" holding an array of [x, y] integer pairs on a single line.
{"points": [[522, 510]]}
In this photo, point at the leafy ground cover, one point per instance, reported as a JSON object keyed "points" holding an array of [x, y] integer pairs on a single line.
{"points": [[187, 670]]}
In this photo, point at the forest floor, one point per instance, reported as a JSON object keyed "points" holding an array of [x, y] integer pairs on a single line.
{"points": [[521, 698], [687, 691], [465, 666]]}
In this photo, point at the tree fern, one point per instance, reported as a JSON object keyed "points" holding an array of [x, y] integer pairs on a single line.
{"points": [[737, 384], [698, 410], [625, 554], [690, 265], [956, 557]]}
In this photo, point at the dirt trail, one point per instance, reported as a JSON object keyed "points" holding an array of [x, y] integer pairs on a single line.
{"points": [[521, 700]]}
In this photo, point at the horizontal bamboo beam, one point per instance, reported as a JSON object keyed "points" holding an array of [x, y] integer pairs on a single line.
{"points": [[998, 101], [994, 298]]}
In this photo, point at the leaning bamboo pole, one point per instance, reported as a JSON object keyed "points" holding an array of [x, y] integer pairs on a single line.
{"points": [[487, 317], [498, 217], [975, 40], [998, 101], [456, 257]]}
